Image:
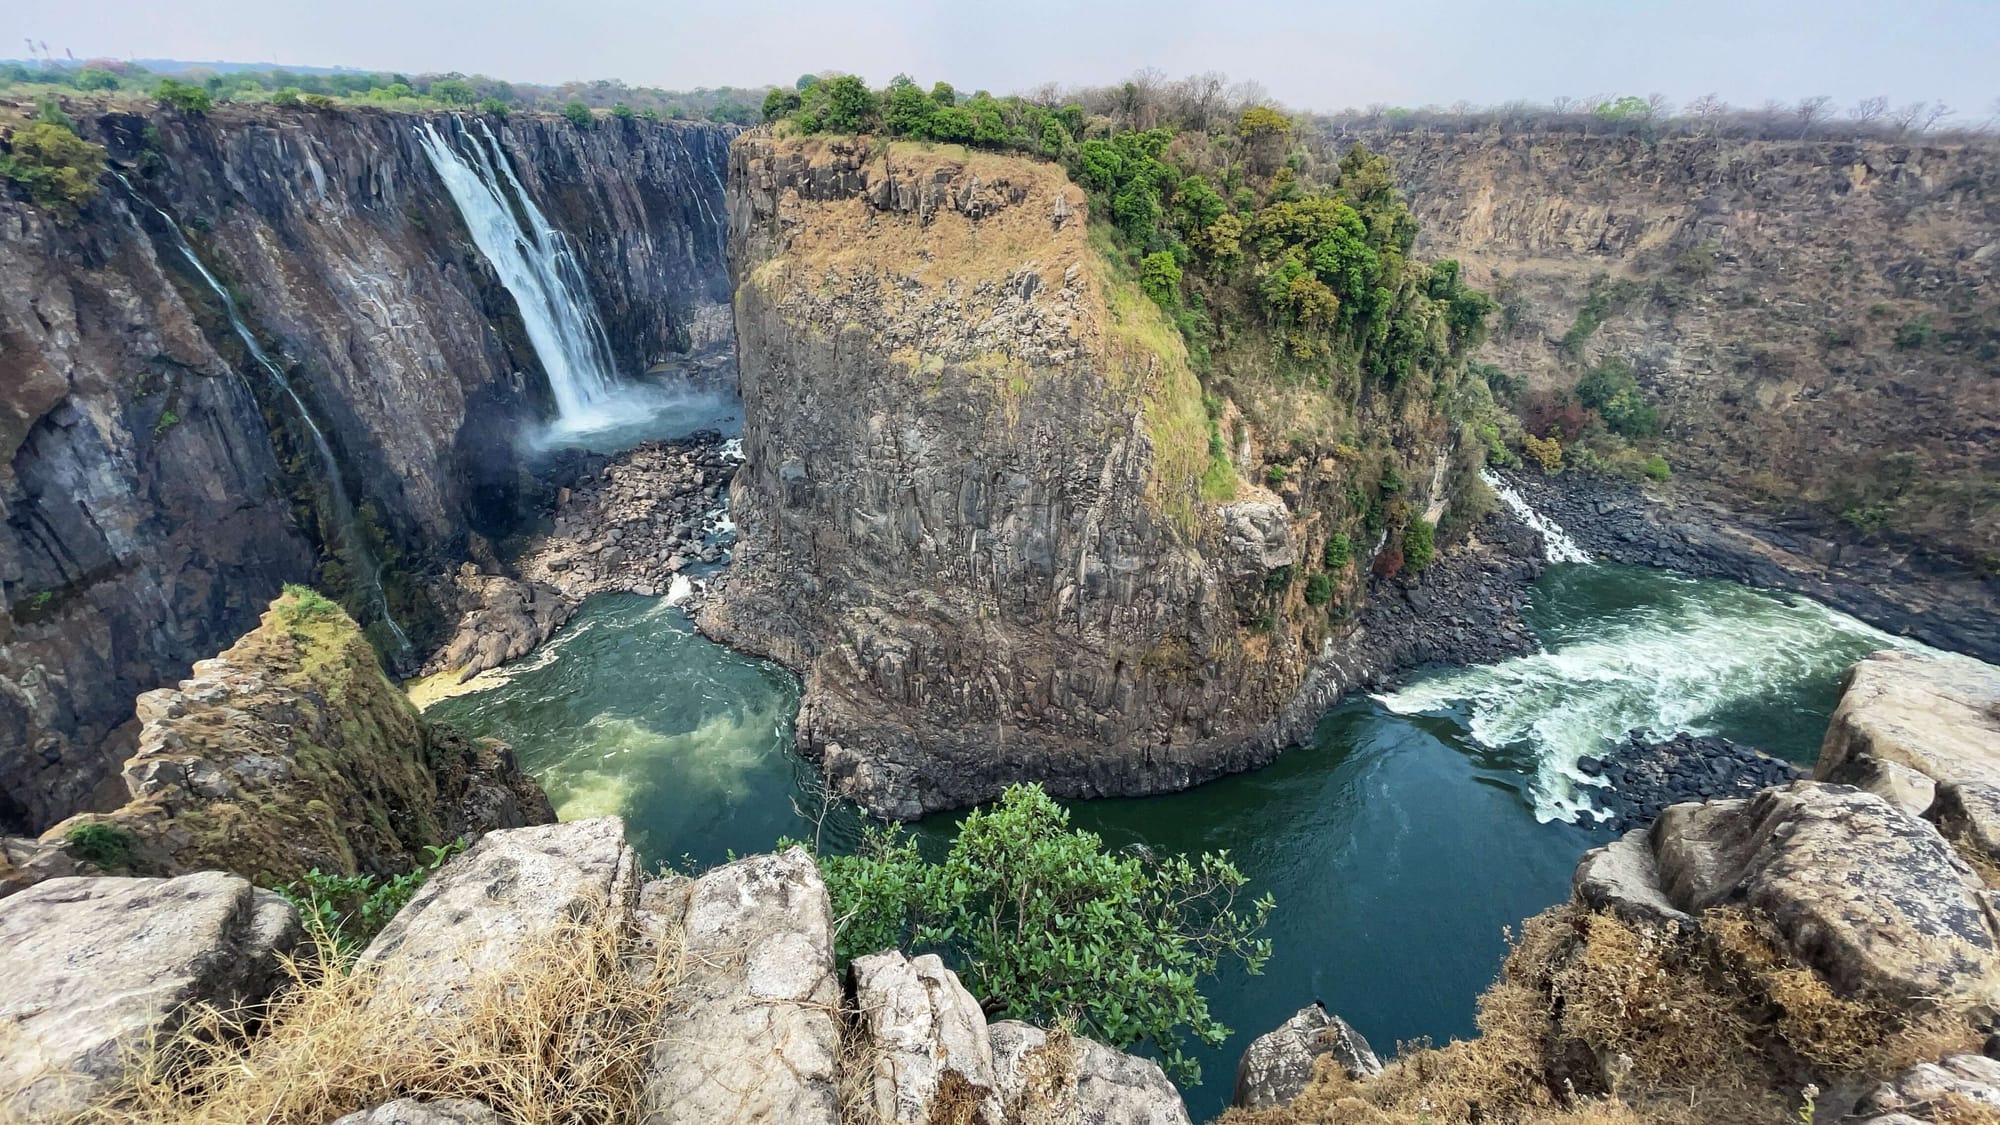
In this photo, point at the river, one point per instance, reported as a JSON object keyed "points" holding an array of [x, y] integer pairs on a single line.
{"points": [[1400, 843]]}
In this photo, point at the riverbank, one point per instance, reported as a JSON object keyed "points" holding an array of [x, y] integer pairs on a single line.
{"points": [[1896, 588]]}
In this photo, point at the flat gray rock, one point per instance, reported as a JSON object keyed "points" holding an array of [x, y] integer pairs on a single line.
{"points": [[928, 1038], [752, 1037], [97, 968], [414, 1111], [1055, 1079]]}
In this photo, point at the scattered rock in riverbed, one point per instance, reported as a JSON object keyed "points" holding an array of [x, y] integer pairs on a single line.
{"points": [[1644, 777]]}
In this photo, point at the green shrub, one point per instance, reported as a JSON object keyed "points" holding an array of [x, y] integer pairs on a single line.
{"points": [[182, 96], [306, 604], [1915, 334], [493, 106], [1339, 551], [343, 913], [57, 168], [1656, 468], [622, 111], [1319, 590], [1274, 476], [780, 102], [1612, 389], [1045, 924], [578, 114], [453, 91], [319, 101], [1419, 543], [105, 845], [92, 78], [1160, 277], [289, 96]]}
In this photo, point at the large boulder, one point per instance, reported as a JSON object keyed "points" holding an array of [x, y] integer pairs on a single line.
{"points": [[752, 1036], [1959, 1081], [1871, 897], [1936, 716], [1279, 1064], [511, 893], [1052, 1078], [98, 969], [932, 1061]]}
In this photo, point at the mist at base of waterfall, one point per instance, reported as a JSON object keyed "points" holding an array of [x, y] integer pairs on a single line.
{"points": [[636, 412]]}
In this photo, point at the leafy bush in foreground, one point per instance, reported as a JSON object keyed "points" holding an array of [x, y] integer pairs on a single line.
{"points": [[1045, 924]]}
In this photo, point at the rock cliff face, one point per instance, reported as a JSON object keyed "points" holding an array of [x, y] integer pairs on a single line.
{"points": [[156, 488], [1818, 320], [287, 753], [971, 513]]}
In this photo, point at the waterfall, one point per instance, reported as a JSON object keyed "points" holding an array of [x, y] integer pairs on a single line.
{"points": [[1556, 543], [360, 560], [537, 265]]}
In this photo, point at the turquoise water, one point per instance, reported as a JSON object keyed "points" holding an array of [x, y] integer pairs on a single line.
{"points": [[1400, 843]]}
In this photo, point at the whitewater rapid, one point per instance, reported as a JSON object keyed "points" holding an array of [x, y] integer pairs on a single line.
{"points": [[1672, 662]]}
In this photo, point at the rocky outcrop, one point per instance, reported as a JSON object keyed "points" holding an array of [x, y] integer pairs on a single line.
{"points": [[292, 752], [1872, 898], [1641, 778], [1955, 1085], [1894, 585], [1278, 1064], [928, 1042], [1927, 730], [971, 514], [1063, 1079], [99, 969], [417, 1111], [156, 488], [1816, 318]]}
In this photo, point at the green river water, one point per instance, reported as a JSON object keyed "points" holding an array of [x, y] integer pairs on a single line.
{"points": [[1400, 843]]}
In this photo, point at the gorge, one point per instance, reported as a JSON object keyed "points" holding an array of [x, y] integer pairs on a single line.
{"points": [[472, 377]]}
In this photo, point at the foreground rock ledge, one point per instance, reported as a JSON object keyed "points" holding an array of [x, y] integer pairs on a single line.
{"points": [[97, 969]]}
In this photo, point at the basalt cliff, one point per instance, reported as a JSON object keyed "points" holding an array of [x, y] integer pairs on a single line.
{"points": [[972, 515], [158, 484]]}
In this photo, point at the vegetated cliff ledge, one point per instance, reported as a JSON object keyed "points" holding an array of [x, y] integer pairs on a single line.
{"points": [[973, 513], [1819, 321], [157, 489]]}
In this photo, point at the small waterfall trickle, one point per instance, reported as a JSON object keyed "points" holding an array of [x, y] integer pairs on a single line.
{"points": [[353, 545], [1556, 543], [536, 263]]}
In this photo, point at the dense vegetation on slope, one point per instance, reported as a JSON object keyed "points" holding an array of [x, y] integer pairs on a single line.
{"points": [[1286, 266]]}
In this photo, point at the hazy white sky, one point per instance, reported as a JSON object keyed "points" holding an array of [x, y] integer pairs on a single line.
{"points": [[1310, 55]]}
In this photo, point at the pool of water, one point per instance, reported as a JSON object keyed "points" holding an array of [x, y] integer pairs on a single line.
{"points": [[1400, 843]]}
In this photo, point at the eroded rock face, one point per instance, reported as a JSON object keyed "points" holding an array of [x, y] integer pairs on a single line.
{"points": [[967, 516], [1869, 896], [97, 968], [1051, 1078], [1908, 722], [1279, 1064], [932, 1058], [753, 1035], [291, 751], [149, 520], [509, 894]]}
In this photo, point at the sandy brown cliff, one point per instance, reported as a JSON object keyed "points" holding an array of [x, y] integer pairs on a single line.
{"points": [[1819, 321]]}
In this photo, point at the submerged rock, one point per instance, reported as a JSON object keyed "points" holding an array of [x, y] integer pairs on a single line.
{"points": [[1279, 1064], [97, 969]]}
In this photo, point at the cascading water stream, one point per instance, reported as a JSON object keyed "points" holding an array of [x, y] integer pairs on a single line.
{"points": [[360, 560], [536, 264], [1556, 543]]}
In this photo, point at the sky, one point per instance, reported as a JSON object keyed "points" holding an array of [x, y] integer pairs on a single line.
{"points": [[1308, 55]]}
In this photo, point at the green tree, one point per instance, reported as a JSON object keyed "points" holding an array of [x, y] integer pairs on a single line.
{"points": [[92, 78], [181, 96], [943, 95], [1045, 924], [578, 114], [850, 105], [1612, 389], [494, 106], [622, 111], [1419, 543], [453, 91], [56, 168], [906, 109], [780, 103], [1160, 277]]}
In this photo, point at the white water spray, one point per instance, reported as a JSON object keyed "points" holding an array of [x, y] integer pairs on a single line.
{"points": [[1662, 666], [537, 265], [1556, 543], [359, 558]]}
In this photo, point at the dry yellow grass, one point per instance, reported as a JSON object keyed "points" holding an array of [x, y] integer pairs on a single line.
{"points": [[558, 1037], [1593, 1022]]}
